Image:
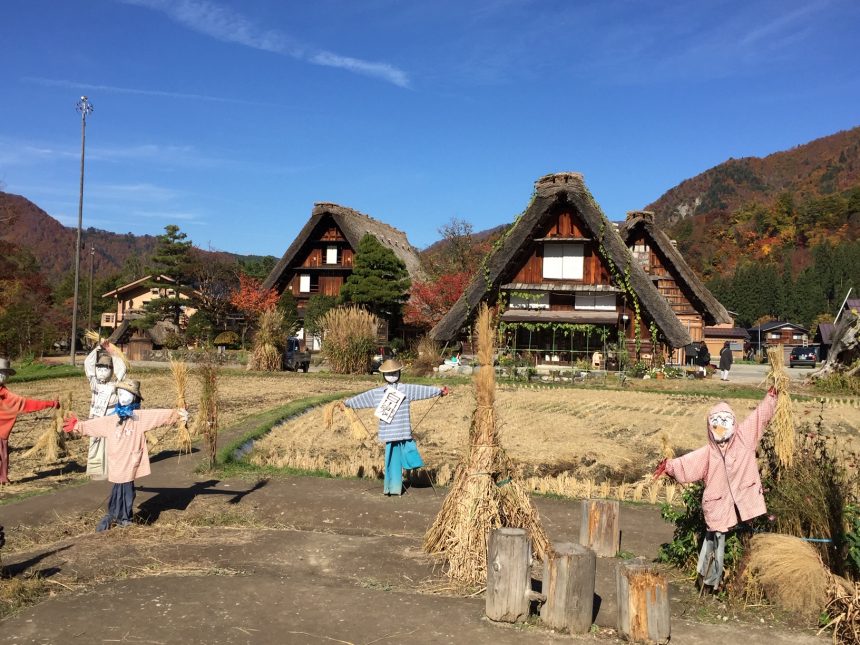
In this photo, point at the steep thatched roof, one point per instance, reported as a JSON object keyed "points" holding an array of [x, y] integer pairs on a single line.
{"points": [[553, 193], [643, 221], [354, 226]]}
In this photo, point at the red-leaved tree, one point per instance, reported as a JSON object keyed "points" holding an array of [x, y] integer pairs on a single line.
{"points": [[431, 300], [252, 300]]}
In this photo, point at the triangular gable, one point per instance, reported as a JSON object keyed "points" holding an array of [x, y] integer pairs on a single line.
{"points": [[354, 226], [554, 193], [641, 223]]}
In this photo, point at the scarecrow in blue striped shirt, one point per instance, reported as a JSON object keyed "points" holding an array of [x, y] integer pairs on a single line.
{"points": [[395, 425]]}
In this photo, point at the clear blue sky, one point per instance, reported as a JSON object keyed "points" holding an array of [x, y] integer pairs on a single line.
{"points": [[232, 118]]}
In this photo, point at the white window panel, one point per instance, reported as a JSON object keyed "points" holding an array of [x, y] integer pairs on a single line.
{"points": [[304, 283], [331, 255], [600, 302], [563, 261], [518, 302]]}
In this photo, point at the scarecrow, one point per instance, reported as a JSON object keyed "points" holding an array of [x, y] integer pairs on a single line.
{"points": [[395, 426], [125, 436], [100, 367], [733, 491], [11, 405]]}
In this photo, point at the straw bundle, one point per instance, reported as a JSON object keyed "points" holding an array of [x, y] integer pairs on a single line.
{"points": [[788, 572], [484, 495], [666, 447], [206, 422], [179, 370], [350, 335], [356, 426], [94, 339], [782, 424], [52, 442], [268, 348]]}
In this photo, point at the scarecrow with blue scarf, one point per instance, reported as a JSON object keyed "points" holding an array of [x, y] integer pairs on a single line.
{"points": [[124, 433], [395, 424]]}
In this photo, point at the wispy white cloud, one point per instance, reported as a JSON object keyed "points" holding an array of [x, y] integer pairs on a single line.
{"points": [[229, 26], [126, 193], [113, 89], [167, 215]]}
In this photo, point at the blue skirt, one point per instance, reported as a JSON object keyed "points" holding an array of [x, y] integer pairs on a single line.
{"points": [[399, 455]]}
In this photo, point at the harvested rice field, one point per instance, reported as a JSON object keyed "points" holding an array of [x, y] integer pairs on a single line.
{"points": [[566, 441], [241, 394]]}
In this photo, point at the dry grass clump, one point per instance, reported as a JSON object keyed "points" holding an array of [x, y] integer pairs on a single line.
{"points": [[428, 355], [357, 428], [206, 422], [782, 424], [349, 336], [268, 348], [484, 495], [843, 611], [17, 593], [788, 572], [179, 370]]}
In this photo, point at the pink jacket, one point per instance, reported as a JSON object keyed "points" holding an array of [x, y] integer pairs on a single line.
{"points": [[126, 450], [731, 478]]}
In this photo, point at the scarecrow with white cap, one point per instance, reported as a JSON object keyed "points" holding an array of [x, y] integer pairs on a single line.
{"points": [[395, 425], [11, 405], [733, 491], [101, 367], [127, 456]]}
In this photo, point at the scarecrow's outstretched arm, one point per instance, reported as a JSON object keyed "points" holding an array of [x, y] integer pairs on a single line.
{"points": [[692, 467], [369, 399], [756, 422]]}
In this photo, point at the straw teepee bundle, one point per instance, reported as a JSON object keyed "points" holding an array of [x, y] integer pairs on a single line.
{"points": [[484, 495], [206, 422], [179, 370], [782, 423], [267, 352], [52, 442]]}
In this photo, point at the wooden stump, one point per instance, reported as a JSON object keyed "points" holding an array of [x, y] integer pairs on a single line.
{"points": [[508, 575], [643, 602], [600, 528], [568, 585]]}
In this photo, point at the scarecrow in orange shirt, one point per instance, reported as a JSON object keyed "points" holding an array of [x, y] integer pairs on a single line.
{"points": [[11, 405]]}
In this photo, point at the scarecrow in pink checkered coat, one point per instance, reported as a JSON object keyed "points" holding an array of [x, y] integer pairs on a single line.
{"points": [[733, 491]]}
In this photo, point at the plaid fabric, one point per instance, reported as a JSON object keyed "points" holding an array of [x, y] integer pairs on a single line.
{"points": [[731, 479], [400, 428]]}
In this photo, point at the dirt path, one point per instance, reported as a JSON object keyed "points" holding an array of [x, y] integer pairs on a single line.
{"points": [[286, 560]]}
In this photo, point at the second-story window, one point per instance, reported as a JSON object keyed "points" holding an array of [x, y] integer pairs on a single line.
{"points": [[563, 261], [304, 283], [331, 255]]}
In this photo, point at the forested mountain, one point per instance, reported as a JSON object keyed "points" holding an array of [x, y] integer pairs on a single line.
{"points": [[776, 237], [52, 244]]}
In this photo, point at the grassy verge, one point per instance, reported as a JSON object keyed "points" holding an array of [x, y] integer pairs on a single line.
{"points": [[28, 372], [259, 424]]}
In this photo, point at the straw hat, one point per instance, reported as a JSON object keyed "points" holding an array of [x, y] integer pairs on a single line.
{"points": [[389, 366], [104, 360], [6, 367], [130, 386]]}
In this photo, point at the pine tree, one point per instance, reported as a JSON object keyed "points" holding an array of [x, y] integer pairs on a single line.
{"points": [[379, 281], [171, 259]]}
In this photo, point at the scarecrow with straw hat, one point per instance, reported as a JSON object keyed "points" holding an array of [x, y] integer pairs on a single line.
{"points": [[11, 405], [101, 367], [125, 437], [395, 425], [733, 490]]}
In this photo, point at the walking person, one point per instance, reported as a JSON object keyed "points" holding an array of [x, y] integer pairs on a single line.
{"points": [[103, 367], [733, 491], [127, 454], [726, 360], [11, 405], [395, 424]]}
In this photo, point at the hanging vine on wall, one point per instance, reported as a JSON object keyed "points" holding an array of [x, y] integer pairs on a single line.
{"points": [[566, 328], [622, 280]]}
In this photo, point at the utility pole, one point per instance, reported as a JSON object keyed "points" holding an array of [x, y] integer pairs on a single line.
{"points": [[90, 307], [85, 108]]}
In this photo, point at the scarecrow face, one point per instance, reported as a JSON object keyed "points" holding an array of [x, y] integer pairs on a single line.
{"points": [[721, 426], [103, 374], [391, 377], [124, 397]]}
